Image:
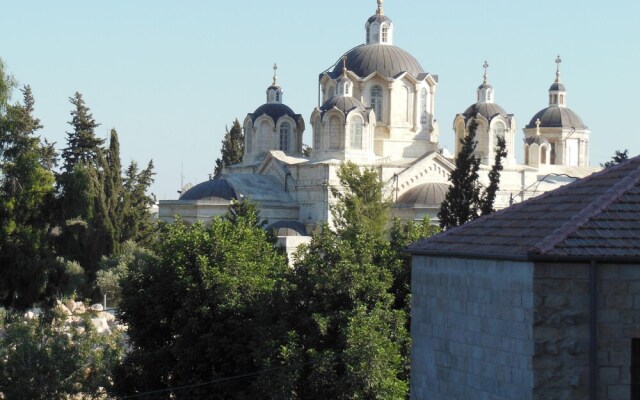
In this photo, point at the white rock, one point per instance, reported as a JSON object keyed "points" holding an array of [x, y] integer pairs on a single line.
{"points": [[97, 307], [71, 305], [101, 325]]}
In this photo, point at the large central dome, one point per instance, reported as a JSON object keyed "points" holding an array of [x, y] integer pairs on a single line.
{"points": [[389, 61]]}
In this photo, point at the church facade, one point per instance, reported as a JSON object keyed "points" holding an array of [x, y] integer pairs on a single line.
{"points": [[377, 109]]}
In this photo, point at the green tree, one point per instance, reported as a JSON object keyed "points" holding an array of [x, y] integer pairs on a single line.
{"points": [[137, 224], [26, 194], [360, 204], [343, 320], [617, 158], [232, 148], [462, 201], [7, 84], [489, 196], [82, 144], [206, 307], [46, 358]]}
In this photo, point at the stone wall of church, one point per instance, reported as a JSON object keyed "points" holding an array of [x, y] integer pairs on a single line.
{"points": [[471, 329]]}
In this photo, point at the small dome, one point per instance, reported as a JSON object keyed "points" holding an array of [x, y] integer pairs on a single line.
{"points": [[487, 110], [288, 228], [557, 117], [213, 189], [425, 195], [379, 18], [387, 60], [539, 140], [485, 86], [346, 104], [557, 87], [273, 110]]}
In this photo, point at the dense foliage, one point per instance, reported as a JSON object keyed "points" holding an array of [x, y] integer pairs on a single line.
{"points": [[47, 358], [205, 307]]}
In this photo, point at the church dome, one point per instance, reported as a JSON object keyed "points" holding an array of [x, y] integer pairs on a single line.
{"points": [[425, 195], [487, 110], [213, 189], [387, 60], [557, 87], [346, 104], [557, 117], [379, 18], [539, 140], [288, 228], [273, 110]]}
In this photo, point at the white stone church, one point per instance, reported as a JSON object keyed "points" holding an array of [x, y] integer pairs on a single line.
{"points": [[377, 109]]}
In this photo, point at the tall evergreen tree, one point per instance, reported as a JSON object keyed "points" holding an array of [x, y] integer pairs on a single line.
{"points": [[489, 197], [232, 148], [462, 201], [137, 224], [82, 143], [26, 194]]}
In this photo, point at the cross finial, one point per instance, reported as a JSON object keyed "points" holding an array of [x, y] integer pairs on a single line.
{"points": [[275, 77], [380, 11], [558, 61], [538, 127], [485, 66]]}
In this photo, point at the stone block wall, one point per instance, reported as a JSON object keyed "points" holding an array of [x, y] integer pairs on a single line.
{"points": [[471, 329], [561, 330]]}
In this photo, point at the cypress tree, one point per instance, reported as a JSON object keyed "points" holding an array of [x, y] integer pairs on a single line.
{"points": [[232, 148], [489, 197], [462, 201]]}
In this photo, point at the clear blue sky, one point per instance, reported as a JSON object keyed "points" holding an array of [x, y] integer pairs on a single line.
{"points": [[169, 75]]}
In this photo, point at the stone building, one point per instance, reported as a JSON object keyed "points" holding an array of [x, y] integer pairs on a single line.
{"points": [[377, 107], [537, 301]]}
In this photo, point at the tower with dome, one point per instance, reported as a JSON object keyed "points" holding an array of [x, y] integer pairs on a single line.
{"points": [[377, 108]]}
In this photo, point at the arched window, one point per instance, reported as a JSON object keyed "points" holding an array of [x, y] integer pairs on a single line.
{"points": [[376, 101], [423, 106], [277, 96], [265, 137], [407, 114], [355, 136], [248, 133], [316, 135], [385, 34], [285, 130], [498, 130], [368, 34], [334, 134]]}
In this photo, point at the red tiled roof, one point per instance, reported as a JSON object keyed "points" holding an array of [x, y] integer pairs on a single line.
{"points": [[597, 217]]}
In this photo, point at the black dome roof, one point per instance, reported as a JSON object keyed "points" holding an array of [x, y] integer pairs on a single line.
{"points": [[487, 110], [557, 86], [346, 104], [539, 140], [557, 117], [379, 18], [425, 195], [213, 189], [273, 110], [386, 59], [288, 228]]}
